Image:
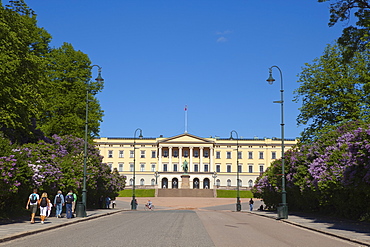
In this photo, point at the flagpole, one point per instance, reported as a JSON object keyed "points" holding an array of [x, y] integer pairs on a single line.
{"points": [[186, 119]]}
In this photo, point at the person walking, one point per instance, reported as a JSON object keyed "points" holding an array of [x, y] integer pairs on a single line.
{"points": [[251, 204], [74, 203], [107, 202], [44, 204], [69, 201], [32, 203], [58, 204]]}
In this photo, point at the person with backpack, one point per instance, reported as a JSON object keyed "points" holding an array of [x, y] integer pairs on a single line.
{"points": [[69, 201], [33, 202], [58, 204], [44, 204]]}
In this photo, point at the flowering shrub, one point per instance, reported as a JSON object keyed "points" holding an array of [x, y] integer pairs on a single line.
{"points": [[53, 165], [332, 174]]}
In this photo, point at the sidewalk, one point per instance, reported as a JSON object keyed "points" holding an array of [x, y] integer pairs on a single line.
{"points": [[357, 232], [13, 230]]}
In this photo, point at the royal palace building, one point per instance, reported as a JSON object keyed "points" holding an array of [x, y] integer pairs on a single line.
{"points": [[210, 162]]}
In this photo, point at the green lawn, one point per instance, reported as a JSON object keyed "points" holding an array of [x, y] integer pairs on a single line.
{"points": [[138, 193], [232, 194], [220, 193]]}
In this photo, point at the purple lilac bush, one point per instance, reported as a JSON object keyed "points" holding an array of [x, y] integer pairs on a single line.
{"points": [[332, 174], [53, 165]]}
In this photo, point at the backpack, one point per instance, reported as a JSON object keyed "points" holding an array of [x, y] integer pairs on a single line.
{"points": [[43, 202], [59, 199], [69, 199], [33, 198]]}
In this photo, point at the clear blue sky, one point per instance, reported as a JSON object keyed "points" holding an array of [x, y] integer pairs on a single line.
{"points": [[212, 55]]}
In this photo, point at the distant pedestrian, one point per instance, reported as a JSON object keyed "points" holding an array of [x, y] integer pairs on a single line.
{"points": [[107, 202], [32, 203], [114, 203], [74, 202], [44, 204], [69, 201], [251, 204], [49, 209], [58, 204]]}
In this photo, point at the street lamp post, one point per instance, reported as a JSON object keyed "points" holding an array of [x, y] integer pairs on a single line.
{"points": [[214, 179], [99, 79], [238, 205], [156, 175], [133, 202], [283, 209]]}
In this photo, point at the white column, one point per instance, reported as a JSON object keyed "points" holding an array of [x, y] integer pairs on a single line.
{"points": [[180, 158], [211, 159], [200, 158], [170, 159], [160, 159], [191, 159]]}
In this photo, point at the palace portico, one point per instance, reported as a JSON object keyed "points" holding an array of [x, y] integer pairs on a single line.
{"points": [[211, 161]]}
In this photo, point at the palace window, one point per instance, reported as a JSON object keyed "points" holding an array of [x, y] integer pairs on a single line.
{"points": [[165, 153], [261, 155], [152, 182], [250, 155], [228, 183], [250, 183], [217, 182], [218, 155], [131, 153], [175, 153], [153, 154], [273, 155], [239, 168], [142, 167], [228, 168], [186, 153], [239, 155], [110, 165], [218, 168], [175, 167], [250, 168], [206, 154], [120, 155], [261, 168], [153, 167], [228, 155], [142, 182], [110, 153], [120, 167], [206, 168], [164, 167], [131, 167], [131, 181], [196, 168], [142, 154]]}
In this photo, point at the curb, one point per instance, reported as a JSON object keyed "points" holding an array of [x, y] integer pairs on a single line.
{"points": [[28, 233]]}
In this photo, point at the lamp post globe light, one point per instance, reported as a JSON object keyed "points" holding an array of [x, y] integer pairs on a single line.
{"points": [[238, 205], [99, 79], [133, 202], [283, 209]]}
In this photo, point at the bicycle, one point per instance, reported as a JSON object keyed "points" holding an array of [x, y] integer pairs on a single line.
{"points": [[148, 207]]}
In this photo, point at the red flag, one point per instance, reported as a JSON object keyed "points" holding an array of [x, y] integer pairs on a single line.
{"points": [[186, 108]]}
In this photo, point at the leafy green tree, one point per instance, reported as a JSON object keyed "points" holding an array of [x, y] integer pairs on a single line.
{"points": [[23, 46], [69, 73], [354, 38], [333, 92]]}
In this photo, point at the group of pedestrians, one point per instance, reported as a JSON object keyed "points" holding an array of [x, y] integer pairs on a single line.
{"points": [[35, 201]]}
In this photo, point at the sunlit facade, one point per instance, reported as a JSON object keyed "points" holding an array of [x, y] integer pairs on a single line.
{"points": [[212, 162]]}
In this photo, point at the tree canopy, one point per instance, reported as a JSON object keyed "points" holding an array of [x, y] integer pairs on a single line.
{"points": [[333, 92], [354, 37]]}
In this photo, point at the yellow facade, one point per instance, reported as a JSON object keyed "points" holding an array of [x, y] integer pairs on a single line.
{"points": [[212, 162]]}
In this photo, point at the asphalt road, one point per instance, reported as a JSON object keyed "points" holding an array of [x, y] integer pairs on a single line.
{"points": [[180, 228]]}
